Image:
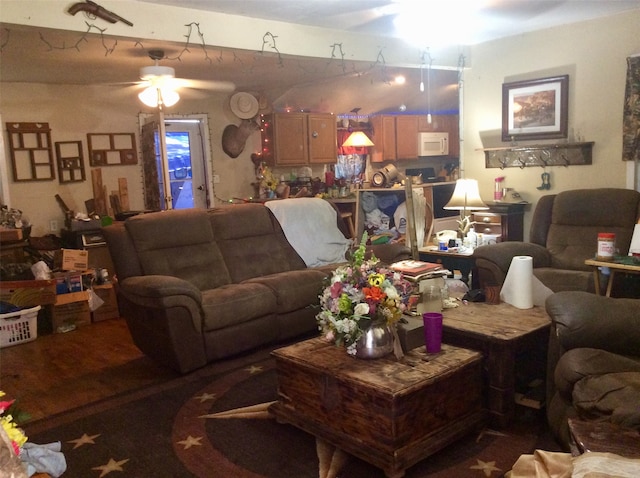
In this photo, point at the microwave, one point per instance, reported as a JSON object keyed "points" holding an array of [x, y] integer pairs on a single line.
{"points": [[433, 144]]}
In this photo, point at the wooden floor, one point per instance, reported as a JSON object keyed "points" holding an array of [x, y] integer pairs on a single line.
{"points": [[59, 372]]}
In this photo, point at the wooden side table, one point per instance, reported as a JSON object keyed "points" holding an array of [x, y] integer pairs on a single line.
{"points": [[513, 342], [614, 267], [604, 437], [452, 261]]}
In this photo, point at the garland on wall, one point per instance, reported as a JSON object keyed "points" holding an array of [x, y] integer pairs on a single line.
{"points": [[336, 52]]}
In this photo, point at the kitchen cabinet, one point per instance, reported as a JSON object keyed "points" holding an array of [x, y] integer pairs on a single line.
{"points": [[290, 139], [395, 137]]}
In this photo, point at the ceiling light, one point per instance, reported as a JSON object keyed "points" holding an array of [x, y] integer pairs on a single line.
{"points": [[154, 96]]}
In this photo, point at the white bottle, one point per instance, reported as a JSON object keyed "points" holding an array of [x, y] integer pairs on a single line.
{"points": [[471, 239]]}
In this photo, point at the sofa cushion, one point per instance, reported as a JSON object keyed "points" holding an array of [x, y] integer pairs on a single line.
{"points": [[295, 289], [236, 303], [562, 279], [252, 242], [612, 395], [179, 243]]}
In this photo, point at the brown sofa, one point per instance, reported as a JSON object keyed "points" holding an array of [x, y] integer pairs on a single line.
{"points": [[593, 367], [564, 233], [200, 285]]}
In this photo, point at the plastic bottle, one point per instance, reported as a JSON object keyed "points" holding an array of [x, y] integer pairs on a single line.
{"points": [[472, 238], [497, 192]]}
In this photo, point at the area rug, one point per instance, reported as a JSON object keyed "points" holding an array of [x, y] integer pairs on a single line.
{"points": [[217, 425]]}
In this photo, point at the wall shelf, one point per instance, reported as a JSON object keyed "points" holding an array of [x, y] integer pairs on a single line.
{"points": [[541, 155]]}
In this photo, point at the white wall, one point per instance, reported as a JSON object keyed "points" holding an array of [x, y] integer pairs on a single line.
{"points": [[594, 55]]}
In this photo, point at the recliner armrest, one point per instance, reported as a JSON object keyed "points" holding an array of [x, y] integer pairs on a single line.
{"points": [[502, 253], [159, 291], [582, 319]]}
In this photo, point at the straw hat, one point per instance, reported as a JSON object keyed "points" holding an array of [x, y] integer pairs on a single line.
{"points": [[244, 105]]}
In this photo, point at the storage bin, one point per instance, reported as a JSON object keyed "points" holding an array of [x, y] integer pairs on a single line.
{"points": [[19, 327]]}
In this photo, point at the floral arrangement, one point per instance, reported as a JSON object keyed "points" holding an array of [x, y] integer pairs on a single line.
{"points": [[15, 434], [268, 181], [359, 294]]}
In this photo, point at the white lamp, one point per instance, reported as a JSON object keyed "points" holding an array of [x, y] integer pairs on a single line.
{"points": [[465, 197], [358, 139]]}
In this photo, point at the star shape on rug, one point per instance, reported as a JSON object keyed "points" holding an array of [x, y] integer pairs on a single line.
{"points": [[84, 440], [190, 441], [487, 467], [254, 369], [204, 397], [113, 465]]}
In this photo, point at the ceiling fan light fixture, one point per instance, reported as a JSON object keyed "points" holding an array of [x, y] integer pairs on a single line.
{"points": [[154, 71], [153, 96]]}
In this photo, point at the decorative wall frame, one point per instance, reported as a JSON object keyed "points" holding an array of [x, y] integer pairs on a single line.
{"points": [[112, 149], [535, 109], [70, 161], [31, 152]]}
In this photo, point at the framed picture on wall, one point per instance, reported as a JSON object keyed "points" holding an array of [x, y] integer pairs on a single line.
{"points": [[535, 109]]}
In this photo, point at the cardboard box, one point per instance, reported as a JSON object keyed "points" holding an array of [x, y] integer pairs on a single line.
{"points": [[10, 234], [68, 316], [28, 293], [109, 309], [411, 333], [71, 259], [82, 296]]}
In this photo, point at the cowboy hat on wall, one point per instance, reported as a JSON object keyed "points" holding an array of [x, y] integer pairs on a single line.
{"points": [[244, 105]]}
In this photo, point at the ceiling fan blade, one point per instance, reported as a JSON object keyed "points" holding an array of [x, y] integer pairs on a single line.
{"points": [[214, 85]]}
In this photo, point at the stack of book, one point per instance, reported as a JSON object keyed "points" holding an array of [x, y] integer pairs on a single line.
{"points": [[414, 270]]}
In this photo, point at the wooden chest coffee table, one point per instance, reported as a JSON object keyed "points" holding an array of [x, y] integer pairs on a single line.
{"points": [[514, 343], [389, 413]]}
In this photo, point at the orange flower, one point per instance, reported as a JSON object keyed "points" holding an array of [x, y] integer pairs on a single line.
{"points": [[374, 293]]}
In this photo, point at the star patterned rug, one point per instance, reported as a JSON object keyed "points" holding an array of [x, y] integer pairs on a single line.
{"points": [[213, 425]]}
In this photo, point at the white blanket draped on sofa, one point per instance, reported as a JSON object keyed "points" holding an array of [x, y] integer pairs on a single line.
{"points": [[310, 226]]}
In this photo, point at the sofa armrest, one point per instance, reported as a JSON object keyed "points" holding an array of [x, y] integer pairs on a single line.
{"points": [[389, 253], [159, 291], [581, 319]]}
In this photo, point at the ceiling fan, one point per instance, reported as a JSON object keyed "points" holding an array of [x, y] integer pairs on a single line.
{"points": [[161, 85]]}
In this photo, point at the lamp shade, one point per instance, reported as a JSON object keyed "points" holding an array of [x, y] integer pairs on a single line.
{"points": [[358, 139], [466, 196]]}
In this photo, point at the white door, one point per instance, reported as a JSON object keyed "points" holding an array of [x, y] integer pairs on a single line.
{"points": [[186, 163]]}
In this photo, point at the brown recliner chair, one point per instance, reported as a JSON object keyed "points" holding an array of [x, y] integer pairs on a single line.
{"points": [[593, 361], [564, 233]]}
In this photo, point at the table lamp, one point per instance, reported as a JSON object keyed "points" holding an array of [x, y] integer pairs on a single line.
{"points": [[358, 139], [465, 197]]}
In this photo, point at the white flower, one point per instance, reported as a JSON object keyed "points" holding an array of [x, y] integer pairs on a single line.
{"points": [[391, 292], [361, 309]]}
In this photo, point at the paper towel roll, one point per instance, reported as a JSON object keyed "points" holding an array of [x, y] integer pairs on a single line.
{"points": [[517, 289]]}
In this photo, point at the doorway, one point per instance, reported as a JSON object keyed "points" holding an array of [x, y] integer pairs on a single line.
{"points": [[177, 179]]}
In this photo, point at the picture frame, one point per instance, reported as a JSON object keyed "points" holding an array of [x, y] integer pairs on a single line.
{"points": [[535, 109]]}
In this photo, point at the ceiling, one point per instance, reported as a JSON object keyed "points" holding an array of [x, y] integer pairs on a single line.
{"points": [[65, 57], [489, 19]]}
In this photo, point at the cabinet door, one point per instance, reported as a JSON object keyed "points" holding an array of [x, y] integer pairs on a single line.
{"points": [[407, 137], [290, 139], [323, 142], [384, 139]]}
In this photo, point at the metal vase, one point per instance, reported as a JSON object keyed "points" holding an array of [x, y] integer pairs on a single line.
{"points": [[376, 341]]}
